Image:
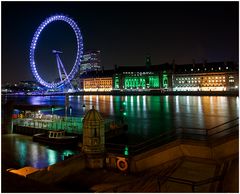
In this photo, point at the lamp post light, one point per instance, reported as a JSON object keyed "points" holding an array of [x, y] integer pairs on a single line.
{"points": [[70, 112], [123, 114], [84, 109], [122, 110], [126, 151], [52, 110]]}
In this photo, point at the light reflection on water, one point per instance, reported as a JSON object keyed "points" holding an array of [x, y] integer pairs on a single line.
{"points": [[147, 116], [19, 151], [150, 115]]}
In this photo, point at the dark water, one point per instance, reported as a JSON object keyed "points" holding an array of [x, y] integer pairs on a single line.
{"points": [[19, 151], [147, 116], [150, 115]]}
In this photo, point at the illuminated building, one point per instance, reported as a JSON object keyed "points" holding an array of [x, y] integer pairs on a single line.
{"points": [[217, 76], [148, 77], [91, 61], [97, 84], [97, 81], [22, 86]]}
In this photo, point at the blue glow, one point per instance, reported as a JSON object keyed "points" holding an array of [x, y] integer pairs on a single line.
{"points": [[79, 50]]}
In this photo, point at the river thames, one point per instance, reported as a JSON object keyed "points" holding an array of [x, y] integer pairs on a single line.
{"points": [[146, 116]]}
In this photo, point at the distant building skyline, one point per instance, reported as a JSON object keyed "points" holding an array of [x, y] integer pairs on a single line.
{"points": [[91, 61]]}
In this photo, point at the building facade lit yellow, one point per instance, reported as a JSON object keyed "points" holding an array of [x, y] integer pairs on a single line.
{"points": [[206, 77], [98, 84], [206, 82]]}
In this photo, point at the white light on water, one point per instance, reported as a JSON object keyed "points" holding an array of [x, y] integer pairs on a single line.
{"points": [[52, 156], [177, 104]]}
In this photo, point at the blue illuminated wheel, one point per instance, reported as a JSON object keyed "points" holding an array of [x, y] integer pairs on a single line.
{"points": [[79, 54]]}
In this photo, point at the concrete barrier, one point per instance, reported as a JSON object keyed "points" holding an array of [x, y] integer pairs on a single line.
{"points": [[177, 149]]}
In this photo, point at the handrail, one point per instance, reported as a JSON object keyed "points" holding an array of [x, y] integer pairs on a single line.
{"points": [[179, 133], [193, 184], [223, 130], [154, 138], [195, 128], [224, 123]]}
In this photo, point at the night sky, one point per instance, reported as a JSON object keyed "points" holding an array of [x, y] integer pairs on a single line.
{"points": [[124, 32]]}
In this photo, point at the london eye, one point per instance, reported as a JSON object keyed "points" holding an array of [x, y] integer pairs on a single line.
{"points": [[66, 79]]}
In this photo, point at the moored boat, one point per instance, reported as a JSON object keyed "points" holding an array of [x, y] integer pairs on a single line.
{"points": [[56, 138]]}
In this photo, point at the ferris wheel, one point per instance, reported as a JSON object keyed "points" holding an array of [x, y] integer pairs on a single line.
{"points": [[61, 69]]}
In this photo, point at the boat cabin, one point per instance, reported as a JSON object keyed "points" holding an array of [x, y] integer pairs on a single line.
{"points": [[55, 134]]}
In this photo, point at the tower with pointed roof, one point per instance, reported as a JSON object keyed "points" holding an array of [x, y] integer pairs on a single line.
{"points": [[94, 138]]}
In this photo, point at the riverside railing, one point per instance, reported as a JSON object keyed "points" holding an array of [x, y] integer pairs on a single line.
{"points": [[194, 186], [199, 134], [70, 124]]}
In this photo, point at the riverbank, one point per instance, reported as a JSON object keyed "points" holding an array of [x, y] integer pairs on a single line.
{"points": [[132, 93]]}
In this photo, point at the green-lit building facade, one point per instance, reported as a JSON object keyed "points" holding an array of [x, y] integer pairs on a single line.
{"points": [[157, 77]]}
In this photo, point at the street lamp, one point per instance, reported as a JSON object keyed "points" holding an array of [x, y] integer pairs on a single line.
{"points": [[52, 110], [70, 111], [126, 153]]}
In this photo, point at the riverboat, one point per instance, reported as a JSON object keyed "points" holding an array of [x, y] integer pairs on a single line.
{"points": [[56, 138]]}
